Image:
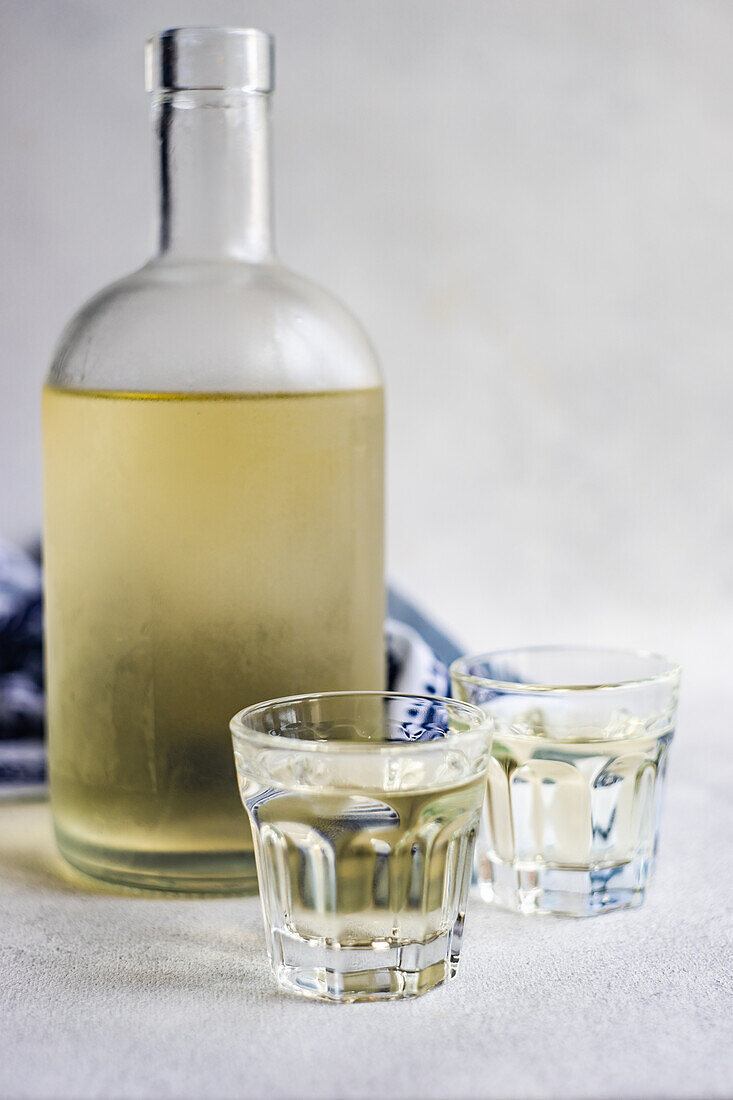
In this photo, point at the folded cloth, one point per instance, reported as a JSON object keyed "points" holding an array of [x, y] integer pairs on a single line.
{"points": [[21, 644], [417, 658]]}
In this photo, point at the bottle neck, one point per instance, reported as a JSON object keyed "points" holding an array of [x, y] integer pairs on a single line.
{"points": [[214, 201]]}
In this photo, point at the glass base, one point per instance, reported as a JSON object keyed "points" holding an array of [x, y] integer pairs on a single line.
{"points": [[366, 973], [180, 872], [565, 891]]}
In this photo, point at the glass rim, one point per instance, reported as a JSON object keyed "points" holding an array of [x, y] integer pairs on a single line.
{"points": [[481, 723], [670, 674]]}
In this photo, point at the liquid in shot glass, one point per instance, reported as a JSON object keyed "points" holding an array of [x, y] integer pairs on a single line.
{"points": [[364, 808]]}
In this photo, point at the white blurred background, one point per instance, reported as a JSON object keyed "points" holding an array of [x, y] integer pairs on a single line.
{"points": [[530, 207]]}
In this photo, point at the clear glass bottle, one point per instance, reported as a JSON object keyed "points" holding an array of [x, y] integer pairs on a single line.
{"points": [[213, 438]]}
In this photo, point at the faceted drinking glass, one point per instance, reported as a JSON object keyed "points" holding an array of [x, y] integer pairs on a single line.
{"points": [[364, 808], [581, 739]]}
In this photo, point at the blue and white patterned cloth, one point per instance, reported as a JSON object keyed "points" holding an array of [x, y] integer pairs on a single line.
{"points": [[418, 655]]}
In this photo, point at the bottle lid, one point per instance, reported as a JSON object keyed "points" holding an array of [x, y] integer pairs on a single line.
{"points": [[210, 59]]}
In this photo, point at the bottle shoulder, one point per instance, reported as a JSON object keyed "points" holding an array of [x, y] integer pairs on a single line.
{"points": [[214, 327]]}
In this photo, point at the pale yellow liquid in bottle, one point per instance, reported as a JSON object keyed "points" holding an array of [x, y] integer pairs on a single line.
{"points": [[202, 552]]}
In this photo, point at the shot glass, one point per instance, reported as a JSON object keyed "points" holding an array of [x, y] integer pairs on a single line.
{"points": [[581, 739], [364, 808]]}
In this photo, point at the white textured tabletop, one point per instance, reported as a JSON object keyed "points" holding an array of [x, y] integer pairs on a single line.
{"points": [[105, 995]]}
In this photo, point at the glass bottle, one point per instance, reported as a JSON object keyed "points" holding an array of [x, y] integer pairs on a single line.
{"points": [[213, 450]]}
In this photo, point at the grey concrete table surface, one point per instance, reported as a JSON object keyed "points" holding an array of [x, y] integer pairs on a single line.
{"points": [[108, 995]]}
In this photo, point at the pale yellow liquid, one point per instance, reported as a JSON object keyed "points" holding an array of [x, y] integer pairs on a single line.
{"points": [[573, 803], [202, 552], [386, 865]]}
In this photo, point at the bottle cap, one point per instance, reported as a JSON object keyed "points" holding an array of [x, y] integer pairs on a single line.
{"points": [[210, 59]]}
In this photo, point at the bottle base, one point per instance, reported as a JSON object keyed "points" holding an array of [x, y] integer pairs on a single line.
{"points": [[171, 872]]}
